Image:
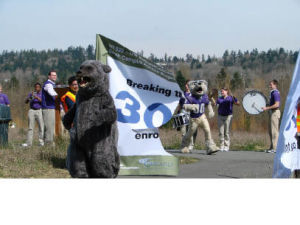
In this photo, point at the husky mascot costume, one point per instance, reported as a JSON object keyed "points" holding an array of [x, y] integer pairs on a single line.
{"points": [[197, 102]]}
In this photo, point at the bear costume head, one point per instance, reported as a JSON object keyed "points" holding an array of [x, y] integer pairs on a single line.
{"points": [[92, 78]]}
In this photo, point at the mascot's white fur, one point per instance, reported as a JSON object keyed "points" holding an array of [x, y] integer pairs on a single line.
{"points": [[198, 101]]}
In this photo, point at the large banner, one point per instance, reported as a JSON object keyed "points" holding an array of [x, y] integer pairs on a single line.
{"points": [[145, 96], [287, 157]]}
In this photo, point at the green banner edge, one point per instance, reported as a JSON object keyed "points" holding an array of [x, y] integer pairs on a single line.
{"points": [[103, 50], [163, 165]]}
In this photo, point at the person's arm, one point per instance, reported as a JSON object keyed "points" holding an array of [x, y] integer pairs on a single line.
{"points": [[38, 98], [275, 106], [49, 88], [69, 117], [205, 99], [235, 101], [7, 103], [27, 99], [189, 98], [69, 102]]}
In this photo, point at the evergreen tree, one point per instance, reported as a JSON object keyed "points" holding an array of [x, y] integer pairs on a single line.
{"points": [[223, 78], [236, 82], [14, 83], [90, 52], [180, 80]]}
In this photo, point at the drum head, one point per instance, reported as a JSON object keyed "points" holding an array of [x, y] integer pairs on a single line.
{"points": [[253, 101]]}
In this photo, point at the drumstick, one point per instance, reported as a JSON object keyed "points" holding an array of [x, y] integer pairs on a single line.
{"points": [[253, 106]]}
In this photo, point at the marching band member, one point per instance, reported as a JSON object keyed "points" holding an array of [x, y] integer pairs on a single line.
{"points": [[274, 115], [225, 105], [184, 128]]}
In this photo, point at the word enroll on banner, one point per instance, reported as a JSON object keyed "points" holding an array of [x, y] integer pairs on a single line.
{"points": [[145, 96]]}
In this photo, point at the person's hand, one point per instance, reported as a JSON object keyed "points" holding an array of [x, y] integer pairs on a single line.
{"points": [[187, 88], [264, 108]]}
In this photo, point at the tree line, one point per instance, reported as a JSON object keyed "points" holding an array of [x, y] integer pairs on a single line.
{"points": [[66, 62], [236, 70]]}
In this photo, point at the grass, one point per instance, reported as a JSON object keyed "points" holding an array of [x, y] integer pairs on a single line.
{"points": [[240, 140], [35, 162], [187, 160], [49, 162]]}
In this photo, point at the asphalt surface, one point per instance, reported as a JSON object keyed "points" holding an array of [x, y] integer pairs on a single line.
{"points": [[232, 164]]}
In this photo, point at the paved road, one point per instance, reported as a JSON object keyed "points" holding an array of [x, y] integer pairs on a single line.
{"points": [[232, 164]]}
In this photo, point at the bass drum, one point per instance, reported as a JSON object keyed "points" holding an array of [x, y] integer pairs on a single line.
{"points": [[253, 101], [180, 119]]}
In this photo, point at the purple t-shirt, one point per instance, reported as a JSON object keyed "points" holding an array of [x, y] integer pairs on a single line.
{"points": [[274, 97], [225, 105], [4, 99], [184, 100], [202, 101], [35, 103]]}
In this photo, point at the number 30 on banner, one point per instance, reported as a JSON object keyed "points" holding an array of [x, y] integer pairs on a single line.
{"points": [[135, 117]]}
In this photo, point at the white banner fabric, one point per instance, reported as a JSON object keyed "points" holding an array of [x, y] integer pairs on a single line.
{"points": [[145, 96], [287, 157]]}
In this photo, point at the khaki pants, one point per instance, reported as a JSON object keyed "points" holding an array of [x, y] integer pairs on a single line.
{"points": [[224, 124], [35, 115], [274, 127], [193, 126], [49, 122]]}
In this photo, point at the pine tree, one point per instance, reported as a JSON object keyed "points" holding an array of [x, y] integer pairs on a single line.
{"points": [[180, 80], [236, 82], [223, 78]]}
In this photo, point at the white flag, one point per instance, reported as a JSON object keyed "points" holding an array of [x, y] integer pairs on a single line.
{"points": [[145, 96], [287, 157]]}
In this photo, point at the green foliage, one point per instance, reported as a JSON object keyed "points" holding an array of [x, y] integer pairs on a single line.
{"points": [[253, 145], [221, 78], [236, 82], [65, 62], [180, 80], [247, 122], [13, 83]]}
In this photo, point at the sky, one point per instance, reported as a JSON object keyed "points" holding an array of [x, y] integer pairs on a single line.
{"points": [[175, 27]]}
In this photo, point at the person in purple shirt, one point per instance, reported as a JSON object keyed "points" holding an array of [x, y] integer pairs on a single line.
{"points": [[3, 98], [225, 104], [35, 114], [184, 129], [274, 115]]}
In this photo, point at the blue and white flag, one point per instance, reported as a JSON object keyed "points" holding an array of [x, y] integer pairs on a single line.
{"points": [[287, 157], [145, 96]]}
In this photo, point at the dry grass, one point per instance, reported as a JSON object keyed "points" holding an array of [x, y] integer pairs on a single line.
{"points": [[34, 162], [240, 140], [187, 160], [47, 162]]}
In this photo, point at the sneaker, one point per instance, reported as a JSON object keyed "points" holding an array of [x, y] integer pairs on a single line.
{"points": [[226, 149], [25, 145], [209, 152], [221, 148], [271, 151], [41, 144]]}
